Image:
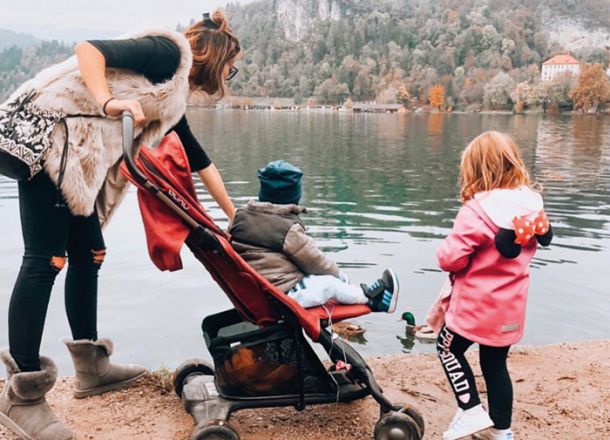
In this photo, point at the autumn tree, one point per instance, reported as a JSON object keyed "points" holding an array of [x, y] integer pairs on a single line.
{"points": [[557, 93], [436, 96], [498, 91], [520, 95], [404, 97], [592, 89]]}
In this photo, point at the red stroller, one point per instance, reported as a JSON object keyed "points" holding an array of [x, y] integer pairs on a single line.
{"points": [[261, 356]]}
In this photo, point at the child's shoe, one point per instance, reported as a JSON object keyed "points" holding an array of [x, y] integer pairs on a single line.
{"points": [[469, 422], [383, 293], [456, 416], [495, 434]]}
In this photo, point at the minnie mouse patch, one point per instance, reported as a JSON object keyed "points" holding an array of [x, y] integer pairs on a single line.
{"points": [[525, 229], [509, 242]]}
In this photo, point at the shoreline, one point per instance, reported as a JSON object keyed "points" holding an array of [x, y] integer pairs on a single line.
{"points": [[338, 109], [562, 391]]}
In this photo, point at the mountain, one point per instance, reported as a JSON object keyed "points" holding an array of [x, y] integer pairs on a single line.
{"points": [[329, 50], [26, 57], [19, 39], [365, 49]]}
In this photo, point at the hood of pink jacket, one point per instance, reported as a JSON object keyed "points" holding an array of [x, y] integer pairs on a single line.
{"points": [[502, 205]]}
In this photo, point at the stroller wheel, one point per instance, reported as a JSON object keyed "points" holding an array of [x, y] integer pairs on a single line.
{"points": [[414, 414], [197, 366], [215, 432], [397, 426]]}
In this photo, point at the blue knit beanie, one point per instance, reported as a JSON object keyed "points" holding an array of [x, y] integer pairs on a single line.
{"points": [[280, 183]]}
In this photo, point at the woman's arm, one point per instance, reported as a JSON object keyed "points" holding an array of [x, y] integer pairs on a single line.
{"points": [[202, 165], [212, 180], [92, 65]]}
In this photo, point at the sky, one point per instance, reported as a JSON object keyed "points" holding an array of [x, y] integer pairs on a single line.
{"points": [[46, 18]]}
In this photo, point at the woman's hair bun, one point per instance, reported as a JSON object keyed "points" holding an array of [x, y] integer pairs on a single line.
{"points": [[219, 18]]}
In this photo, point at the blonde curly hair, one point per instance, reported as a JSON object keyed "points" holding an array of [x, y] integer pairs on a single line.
{"points": [[492, 161]]}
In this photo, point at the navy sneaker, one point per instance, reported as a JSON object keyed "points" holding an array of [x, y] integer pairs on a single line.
{"points": [[383, 293]]}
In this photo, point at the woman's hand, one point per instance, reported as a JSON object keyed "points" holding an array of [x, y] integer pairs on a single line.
{"points": [[116, 107], [92, 65]]}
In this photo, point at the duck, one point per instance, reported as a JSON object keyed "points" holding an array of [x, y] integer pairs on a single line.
{"points": [[409, 318], [423, 332], [348, 329]]}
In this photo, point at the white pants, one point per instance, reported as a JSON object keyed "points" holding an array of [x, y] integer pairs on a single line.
{"points": [[315, 290]]}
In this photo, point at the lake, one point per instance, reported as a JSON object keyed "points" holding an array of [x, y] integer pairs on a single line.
{"points": [[381, 192]]}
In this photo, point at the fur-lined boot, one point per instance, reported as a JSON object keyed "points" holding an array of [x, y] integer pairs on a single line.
{"points": [[95, 374], [23, 406]]}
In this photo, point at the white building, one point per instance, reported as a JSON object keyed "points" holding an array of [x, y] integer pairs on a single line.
{"points": [[560, 64]]}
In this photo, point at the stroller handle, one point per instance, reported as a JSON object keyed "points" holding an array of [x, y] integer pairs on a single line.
{"points": [[130, 151]]}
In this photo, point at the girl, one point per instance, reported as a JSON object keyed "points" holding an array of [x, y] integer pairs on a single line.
{"points": [[487, 254], [64, 205]]}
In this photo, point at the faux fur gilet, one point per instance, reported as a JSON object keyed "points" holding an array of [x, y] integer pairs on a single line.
{"points": [[92, 174]]}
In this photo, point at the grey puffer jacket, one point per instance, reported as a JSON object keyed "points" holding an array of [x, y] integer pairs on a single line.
{"points": [[272, 239]]}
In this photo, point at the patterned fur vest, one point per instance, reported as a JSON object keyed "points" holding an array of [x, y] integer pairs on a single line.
{"points": [[92, 176]]}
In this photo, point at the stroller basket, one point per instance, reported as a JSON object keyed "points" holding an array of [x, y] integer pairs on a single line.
{"points": [[251, 361]]}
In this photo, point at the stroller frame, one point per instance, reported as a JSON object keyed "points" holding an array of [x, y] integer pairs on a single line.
{"points": [[197, 382]]}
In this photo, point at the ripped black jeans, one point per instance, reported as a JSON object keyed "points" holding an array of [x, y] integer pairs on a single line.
{"points": [[49, 232]]}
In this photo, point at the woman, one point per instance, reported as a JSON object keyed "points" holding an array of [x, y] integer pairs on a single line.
{"points": [[65, 206]]}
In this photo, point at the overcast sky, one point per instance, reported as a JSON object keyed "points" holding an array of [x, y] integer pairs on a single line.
{"points": [[115, 16]]}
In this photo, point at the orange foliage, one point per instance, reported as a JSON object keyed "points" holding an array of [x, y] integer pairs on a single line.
{"points": [[593, 88], [436, 96]]}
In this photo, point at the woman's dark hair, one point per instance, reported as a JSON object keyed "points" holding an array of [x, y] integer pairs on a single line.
{"points": [[213, 46]]}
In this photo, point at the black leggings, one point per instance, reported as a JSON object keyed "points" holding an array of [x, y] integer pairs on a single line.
{"points": [[48, 233], [451, 348]]}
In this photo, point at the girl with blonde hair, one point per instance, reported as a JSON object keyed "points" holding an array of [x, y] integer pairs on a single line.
{"points": [[64, 205], [487, 254]]}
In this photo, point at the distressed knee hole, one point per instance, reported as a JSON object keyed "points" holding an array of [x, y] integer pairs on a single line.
{"points": [[98, 256], [58, 263]]}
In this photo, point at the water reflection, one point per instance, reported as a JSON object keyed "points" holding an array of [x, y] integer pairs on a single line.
{"points": [[381, 191], [572, 163]]}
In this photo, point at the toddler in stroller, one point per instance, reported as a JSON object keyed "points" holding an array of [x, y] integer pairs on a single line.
{"points": [[270, 235]]}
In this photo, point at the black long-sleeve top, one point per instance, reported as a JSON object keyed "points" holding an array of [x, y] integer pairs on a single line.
{"points": [[157, 58]]}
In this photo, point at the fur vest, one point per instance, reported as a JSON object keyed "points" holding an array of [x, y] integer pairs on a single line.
{"points": [[92, 174]]}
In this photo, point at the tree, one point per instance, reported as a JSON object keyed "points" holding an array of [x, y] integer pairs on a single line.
{"points": [[436, 96], [331, 91], [556, 94], [489, 36], [520, 95], [498, 91], [404, 97], [592, 89]]}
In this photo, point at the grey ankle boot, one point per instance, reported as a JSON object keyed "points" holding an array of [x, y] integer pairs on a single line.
{"points": [[23, 407], [94, 372]]}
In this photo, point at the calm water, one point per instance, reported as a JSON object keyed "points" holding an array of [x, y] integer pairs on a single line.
{"points": [[382, 192]]}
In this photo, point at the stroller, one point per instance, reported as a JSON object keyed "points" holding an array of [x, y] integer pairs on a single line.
{"points": [[261, 356]]}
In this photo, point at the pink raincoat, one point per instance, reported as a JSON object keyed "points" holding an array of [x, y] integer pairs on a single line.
{"points": [[489, 294]]}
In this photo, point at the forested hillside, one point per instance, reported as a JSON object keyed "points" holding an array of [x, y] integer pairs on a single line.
{"points": [[481, 52], [332, 49]]}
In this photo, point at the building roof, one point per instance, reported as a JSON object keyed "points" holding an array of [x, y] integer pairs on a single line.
{"points": [[564, 58]]}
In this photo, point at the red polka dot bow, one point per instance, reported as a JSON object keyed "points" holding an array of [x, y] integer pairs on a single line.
{"points": [[525, 228]]}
